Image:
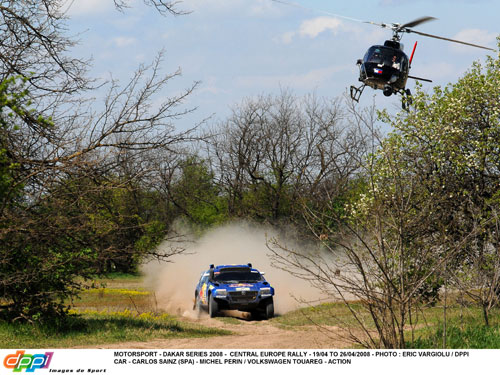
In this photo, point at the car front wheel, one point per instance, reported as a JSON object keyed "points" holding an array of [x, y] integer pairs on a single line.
{"points": [[269, 309], [213, 307]]}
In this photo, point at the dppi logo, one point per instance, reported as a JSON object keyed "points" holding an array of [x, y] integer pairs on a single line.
{"points": [[29, 362]]}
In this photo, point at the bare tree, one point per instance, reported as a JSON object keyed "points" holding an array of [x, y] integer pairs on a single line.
{"points": [[282, 149], [477, 275], [73, 196], [379, 255], [373, 262], [427, 211], [162, 6]]}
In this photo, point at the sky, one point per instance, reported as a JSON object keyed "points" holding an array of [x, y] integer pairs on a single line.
{"points": [[240, 49]]}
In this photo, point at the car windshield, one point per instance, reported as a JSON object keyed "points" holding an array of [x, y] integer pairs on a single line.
{"points": [[229, 277]]}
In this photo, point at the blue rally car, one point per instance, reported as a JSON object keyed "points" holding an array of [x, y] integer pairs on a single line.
{"points": [[234, 287]]}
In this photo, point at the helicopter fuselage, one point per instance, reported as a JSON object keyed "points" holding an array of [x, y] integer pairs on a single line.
{"points": [[385, 68]]}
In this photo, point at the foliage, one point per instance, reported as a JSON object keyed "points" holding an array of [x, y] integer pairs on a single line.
{"points": [[450, 145], [428, 214], [14, 106], [275, 153], [196, 195], [36, 269], [121, 220], [77, 196]]}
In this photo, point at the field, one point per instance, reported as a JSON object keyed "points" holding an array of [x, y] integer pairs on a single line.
{"points": [[124, 314], [122, 311]]}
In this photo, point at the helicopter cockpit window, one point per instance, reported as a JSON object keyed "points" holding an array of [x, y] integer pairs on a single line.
{"points": [[374, 55], [384, 56], [404, 64]]}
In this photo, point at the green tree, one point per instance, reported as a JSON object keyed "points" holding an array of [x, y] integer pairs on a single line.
{"points": [[450, 142], [428, 215], [70, 186], [39, 258], [120, 219], [196, 195]]}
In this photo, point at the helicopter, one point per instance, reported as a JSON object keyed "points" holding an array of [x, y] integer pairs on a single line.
{"points": [[386, 67]]}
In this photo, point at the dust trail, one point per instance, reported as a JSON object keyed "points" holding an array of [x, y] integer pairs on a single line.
{"points": [[237, 243]]}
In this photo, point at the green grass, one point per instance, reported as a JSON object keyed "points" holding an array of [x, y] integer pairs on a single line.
{"points": [[465, 325], [120, 310], [94, 328], [123, 276], [116, 299], [118, 293], [474, 335], [328, 314]]}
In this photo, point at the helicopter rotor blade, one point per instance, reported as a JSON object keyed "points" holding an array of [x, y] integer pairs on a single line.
{"points": [[297, 5], [418, 21], [448, 39], [395, 27], [376, 24]]}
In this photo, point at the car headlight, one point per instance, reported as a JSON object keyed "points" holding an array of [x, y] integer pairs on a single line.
{"points": [[265, 292], [221, 293]]}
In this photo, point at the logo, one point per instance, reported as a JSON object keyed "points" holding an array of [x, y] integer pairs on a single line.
{"points": [[29, 362], [378, 71]]}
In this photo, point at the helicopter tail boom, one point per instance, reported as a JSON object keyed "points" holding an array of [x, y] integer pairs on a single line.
{"points": [[420, 79]]}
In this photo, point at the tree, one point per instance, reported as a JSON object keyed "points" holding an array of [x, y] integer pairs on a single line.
{"points": [[196, 196], [275, 151], [162, 6], [369, 259], [428, 211], [453, 136], [70, 175]]}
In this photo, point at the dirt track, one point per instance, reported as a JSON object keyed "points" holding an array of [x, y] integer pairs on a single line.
{"points": [[248, 334]]}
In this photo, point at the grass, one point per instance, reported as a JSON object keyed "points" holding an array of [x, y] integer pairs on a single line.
{"points": [[327, 314], [95, 328], [465, 325], [123, 276], [228, 320], [120, 310], [473, 336], [465, 329], [118, 293]]}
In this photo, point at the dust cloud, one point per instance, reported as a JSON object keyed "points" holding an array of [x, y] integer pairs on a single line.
{"points": [[237, 243]]}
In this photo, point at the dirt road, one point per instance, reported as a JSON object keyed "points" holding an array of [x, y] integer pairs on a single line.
{"points": [[247, 334]]}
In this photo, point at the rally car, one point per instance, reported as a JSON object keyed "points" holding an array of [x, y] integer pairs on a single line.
{"points": [[234, 287]]}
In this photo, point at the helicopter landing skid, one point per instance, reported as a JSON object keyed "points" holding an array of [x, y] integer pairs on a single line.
{"points": [[406, 99], [356, 92]]}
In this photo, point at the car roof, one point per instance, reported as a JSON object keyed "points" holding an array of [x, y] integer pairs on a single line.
{"points": [[221, 267]]}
